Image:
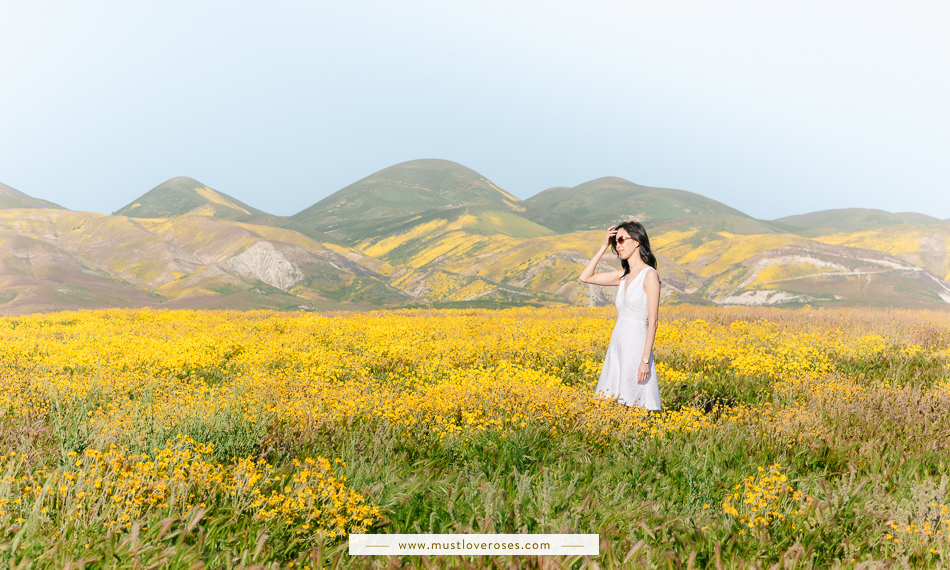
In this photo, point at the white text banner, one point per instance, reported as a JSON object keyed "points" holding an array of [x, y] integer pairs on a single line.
{"points": [[467, 544]]}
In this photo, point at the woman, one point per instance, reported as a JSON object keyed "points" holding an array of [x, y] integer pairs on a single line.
{"points": [[629, 373]]}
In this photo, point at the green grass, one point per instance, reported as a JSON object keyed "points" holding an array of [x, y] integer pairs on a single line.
{"points": [[657, 501]]}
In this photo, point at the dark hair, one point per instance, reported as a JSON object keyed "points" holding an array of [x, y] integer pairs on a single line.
{"points": [[639, 233]]}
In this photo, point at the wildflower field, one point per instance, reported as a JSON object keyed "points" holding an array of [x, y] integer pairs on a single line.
{"points": [[803, 439]]}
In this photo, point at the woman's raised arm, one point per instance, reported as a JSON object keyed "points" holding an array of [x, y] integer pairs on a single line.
{"points": [[607, 278]]}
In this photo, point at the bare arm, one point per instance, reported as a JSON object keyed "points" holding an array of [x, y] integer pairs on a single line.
{"points": [[651, 286], [607, 278]]}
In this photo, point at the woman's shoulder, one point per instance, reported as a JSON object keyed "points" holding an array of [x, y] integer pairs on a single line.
{"points": [[648, 273]]}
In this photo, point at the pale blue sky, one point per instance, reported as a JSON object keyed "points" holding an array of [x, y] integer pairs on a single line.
{"points": [[775, 108]]}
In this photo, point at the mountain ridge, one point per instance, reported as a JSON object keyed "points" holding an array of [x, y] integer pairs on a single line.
{"points": [[853, 219], [406, 189], [12, 198], [182, 195], [607, 200], [436, 232]]}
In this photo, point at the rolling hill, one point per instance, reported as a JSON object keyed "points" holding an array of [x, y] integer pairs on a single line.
{"points": [[402, 191], [185, 261], [38, 276], [817, 273], [185, 196], [851, 220], [923, 246], [13, 198], [603, 202], [434, 232]]}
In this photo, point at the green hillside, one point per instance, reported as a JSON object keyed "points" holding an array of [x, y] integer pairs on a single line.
{"points": [[183, 195], [603, 202], [13, 198], [733, 224], [416, 229], [401, 191], [851, 220]]}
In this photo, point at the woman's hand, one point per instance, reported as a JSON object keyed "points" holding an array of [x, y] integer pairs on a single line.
{"points": [[643, 373], [606, 278]]}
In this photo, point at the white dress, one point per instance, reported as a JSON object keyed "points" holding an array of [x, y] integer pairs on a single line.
{"points": [[618, 379]]}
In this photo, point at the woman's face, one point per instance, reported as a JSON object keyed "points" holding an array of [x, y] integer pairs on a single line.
{"points": [[625, 244]]}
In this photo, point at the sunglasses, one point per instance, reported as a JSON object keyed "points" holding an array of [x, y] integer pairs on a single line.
{"points": [[621, 239]]}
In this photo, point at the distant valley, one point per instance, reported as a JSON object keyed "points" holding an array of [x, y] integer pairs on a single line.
{"points": [[436, 233]]}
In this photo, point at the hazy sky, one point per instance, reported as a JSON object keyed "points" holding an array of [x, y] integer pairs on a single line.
{"points": [[773, 107]]}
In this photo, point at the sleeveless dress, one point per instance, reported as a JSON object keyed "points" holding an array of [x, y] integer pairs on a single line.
{"points": [[618, 378]]}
